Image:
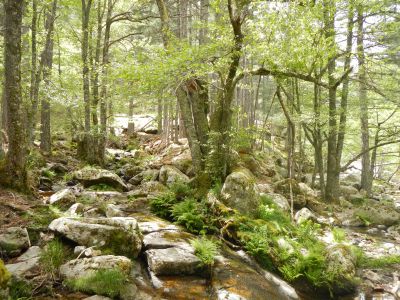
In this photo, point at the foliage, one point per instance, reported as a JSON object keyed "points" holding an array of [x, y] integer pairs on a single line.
{"points": [[102, 282], [53, 256], [4, 275], [20, 289], [49, 174], [379, 262], [205, 249], [339, 235]]}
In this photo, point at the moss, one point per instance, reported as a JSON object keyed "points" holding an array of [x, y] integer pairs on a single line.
{"points": [[5, 276], [103, 282]]}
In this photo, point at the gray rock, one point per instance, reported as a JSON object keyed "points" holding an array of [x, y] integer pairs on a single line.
{"points": [[75, 210], [304, 214], [306, 190], [89, 176], [129, 292], [240, 192], [97, 297], [145, 176], [265, 188], [166, 239], [27, 264], [100, 196], [14, 240], [113, 210], [121, 235], [173, 261], [349, 192], [62, 198], [148, 188], [279, 200], [79, 268], [170, 174]]}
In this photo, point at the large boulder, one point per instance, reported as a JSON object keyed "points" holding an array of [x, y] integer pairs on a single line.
{"points": [[170, 175], [14, 240], [304, 214], [84, 267], [290, 187], [377, 214], [120, 235], [89, 176], [279, 200], [240, 192], [145, 176], [340, 260], [173, 261], [27, 264]]}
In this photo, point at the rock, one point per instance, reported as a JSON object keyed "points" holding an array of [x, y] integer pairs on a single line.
{"points": [[304, 214], [173, 261], [168, 238], [351, 179], [5, 278], [89, 176], [113, 210], [99, 196], [129, 292], [149, 224], [170, 175], [120, 235], [183, 162], [27, 264], [75, 210], [78, 268], [97, 297], [377, 214], [151, 130], [285, 186], [14, 240], [349, 192], [62, 198], [145, 176], [279, 200], [58, 168], [129, 170], [306, 190], [153, 188], [340, 260], [265, 188], [240, 192], [394, 230]]}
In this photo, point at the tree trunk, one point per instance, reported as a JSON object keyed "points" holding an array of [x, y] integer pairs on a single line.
{"points": [[47, 60], [366, 178], [17, 149], [86, 7], [34, 77]]}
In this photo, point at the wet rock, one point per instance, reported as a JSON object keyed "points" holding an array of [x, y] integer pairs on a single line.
{"points": [[170, 174], [173, 261], [14, 240], [89, 176], [27, 264], [166, 239], [79, 268], [63, 198], [304, 214], [120, 235], [279, 200], [240, 192]]}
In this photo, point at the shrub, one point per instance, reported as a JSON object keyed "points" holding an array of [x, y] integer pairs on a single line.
{"points": [[339, 235], [53, 256], [102, 282], [205, 250], [20, 289], [189, 214], [163, 204], [5, 276]]}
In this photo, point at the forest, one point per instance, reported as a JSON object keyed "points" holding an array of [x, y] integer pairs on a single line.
{"points": [[200, 149]]}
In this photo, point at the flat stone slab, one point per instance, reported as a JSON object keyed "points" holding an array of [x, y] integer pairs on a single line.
{"points": [[173, 261], [27, 264], [167, 239]]}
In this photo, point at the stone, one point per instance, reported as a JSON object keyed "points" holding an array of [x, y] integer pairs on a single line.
{"points": [[340, 260], [154, 188], [120, 235], [27, 264], [173, 261], [170, 175], [166, 239], [351, 179], [113, 210], [14, 240], [78, 268], [63, 198], [306, 190], [100, 196], [279, 200], [58, 168], [129, 292], [284, 187], [349, 192], [265, 188], [97, 297], [145, 176], [240, 192], [304, 214], [89, 176], [75, 210], [378, 214]]}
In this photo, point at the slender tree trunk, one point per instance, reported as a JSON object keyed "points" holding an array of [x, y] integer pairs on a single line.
{"points": [[86, 7], [366, 178], [318, 142], [33, 101], [332, 174], [17, 146], [47, 59], [204, 15]]}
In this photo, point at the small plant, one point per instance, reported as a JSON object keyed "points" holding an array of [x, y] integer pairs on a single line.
{"points": [[102, 282], [163, 204], [20, 289], [52, 257], [5, 276], [379, 262], [101, 187], [49, 174], [339, 235], [189, 214], [205, 250]]}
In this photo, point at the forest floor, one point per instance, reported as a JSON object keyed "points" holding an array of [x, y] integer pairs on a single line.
{"points": [[235, 273]]}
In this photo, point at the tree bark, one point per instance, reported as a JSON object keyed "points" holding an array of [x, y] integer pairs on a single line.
{"points": [[34, 75], [16, 156], [47, 60], [86, 7]]}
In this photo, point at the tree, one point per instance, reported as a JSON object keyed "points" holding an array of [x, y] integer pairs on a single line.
{"points": [[15, 166]]}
